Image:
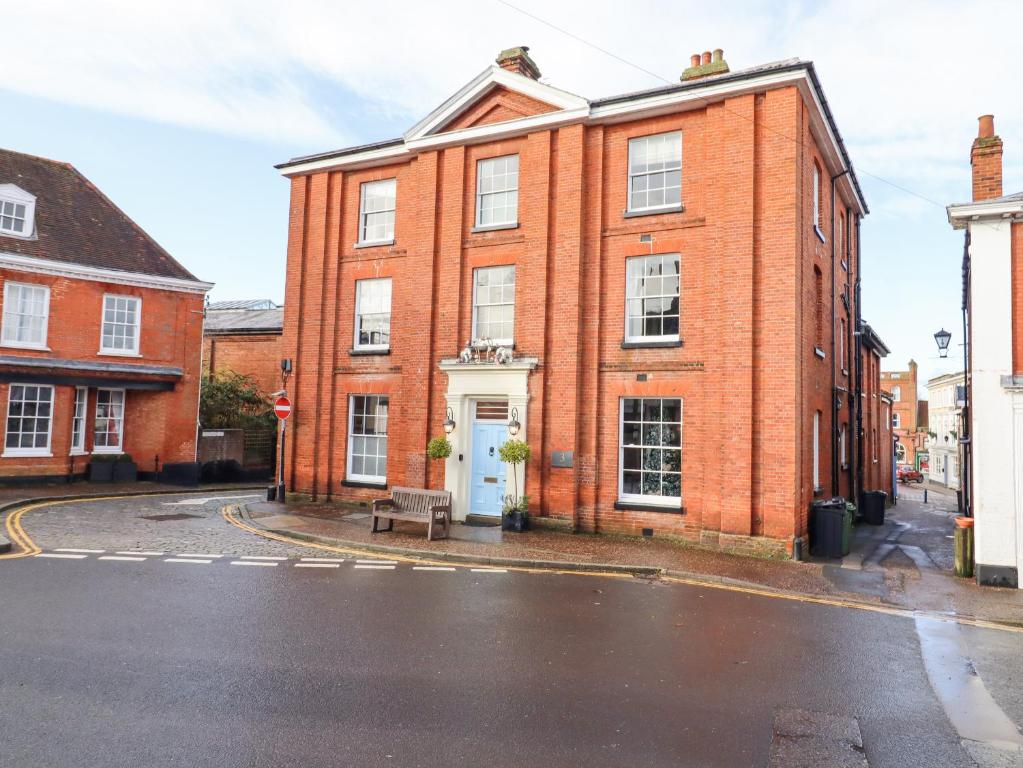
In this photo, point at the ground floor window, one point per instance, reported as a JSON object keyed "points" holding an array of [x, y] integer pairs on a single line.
{"points": [[650, 464], [78, 420], [367, 439], [29, 420], [108, 428], [900, 453]]}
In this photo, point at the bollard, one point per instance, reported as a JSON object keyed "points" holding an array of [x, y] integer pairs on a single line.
{"points": [[925, 495], [964, 547]]}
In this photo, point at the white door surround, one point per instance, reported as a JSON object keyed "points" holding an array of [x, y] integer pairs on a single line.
{"points": [[467, 383]]}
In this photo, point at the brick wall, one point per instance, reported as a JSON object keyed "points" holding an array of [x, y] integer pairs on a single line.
{"points": [[255, 355]]}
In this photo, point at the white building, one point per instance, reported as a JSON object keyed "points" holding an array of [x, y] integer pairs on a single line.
{"points": [[993, 292], [946, 396]]}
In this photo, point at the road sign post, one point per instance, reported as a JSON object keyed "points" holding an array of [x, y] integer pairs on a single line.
{"points": [[282, 410]]}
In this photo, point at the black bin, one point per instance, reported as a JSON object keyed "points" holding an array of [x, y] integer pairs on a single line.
{"points": [[872, 506], [828, 536]]}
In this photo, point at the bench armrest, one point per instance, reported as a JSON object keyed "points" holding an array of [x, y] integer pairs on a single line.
{"points": [[445, 508], [382, 504]]}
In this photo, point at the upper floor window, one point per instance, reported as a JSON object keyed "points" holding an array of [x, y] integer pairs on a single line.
{"points": [[497, 191], [493, 304], [817, 197], [121, 316], [376, 211], [26, 315], [652, 298], [896, 420], [840, 237], [896, 393], [29, 420], [373, 313], [655, 172], [17, 211], [818, 287]]}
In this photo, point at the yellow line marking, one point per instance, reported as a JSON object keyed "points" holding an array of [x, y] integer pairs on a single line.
{"points": [[229, 513]]}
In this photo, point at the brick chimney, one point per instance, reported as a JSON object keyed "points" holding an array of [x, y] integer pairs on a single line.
{"points": [[705, 64], [986, 159], [517, 60]]}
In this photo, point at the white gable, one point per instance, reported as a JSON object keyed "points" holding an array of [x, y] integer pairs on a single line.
{"points": [[16, 197]]}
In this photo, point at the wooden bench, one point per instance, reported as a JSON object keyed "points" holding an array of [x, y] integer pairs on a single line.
{"points": [[416, 505]]}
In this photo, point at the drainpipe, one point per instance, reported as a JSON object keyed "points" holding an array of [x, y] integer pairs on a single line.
{"points": [[858, 319], [834, 375], [965, 439]]}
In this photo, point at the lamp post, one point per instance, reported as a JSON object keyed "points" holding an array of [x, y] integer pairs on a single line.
{"points": [[942, 338]]}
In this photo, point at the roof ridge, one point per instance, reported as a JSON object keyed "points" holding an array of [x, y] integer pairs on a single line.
{"points": [[37, 157]]}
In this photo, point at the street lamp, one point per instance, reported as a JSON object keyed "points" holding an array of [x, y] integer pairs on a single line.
{"points": [[942, 338], [449, 422], [513, 423]]}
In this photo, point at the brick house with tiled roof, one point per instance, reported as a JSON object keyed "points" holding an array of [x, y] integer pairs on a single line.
{"points": [[674, 275], [101, 329]]}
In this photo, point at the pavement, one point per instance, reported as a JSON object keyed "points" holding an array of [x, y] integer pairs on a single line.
{"points": [[151, 631]]}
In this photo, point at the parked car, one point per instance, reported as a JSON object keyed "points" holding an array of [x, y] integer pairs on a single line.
{"points": [[904, 473]]}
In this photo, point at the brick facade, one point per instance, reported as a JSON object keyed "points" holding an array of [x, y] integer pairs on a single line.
{"points": [[911, 432], [765, 294]]}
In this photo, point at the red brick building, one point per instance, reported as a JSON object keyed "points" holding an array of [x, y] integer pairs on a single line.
{"points": [[245, 337], [906, 412], [675, 273], [101, 330]]}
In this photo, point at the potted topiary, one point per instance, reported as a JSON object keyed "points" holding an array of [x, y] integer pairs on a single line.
{"points": [[125, 469], [515, 515]]}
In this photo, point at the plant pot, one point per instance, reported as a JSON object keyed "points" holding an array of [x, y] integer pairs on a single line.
{"points": [[101, 471], [125, 472], [515, 520]]}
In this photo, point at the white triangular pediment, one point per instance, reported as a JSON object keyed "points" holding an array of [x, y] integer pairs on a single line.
{"points": [[16, 193]]}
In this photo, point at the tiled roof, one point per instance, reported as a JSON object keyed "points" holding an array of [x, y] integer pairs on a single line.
{"points": [[227, 322], [75, 223]]}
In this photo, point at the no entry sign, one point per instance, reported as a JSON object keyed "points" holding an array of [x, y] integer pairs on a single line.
{"points": [[282, 407]]}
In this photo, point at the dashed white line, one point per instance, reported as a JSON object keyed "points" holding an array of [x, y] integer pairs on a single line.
{"points": [[192, 554], [322, 559], [489, 570], [377, 562], [122, 558], [193, 560], [432, 568], [306, 565], [376, 567], [253, 562], [137, 552], [61, 556], [261, 557], [86, 551]]}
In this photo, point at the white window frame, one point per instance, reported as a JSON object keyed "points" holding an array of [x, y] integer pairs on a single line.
{"points": [[79, 420], [119, 448], [842, 456], [363, 213], [629, 297], [481, 194], [897, 394], [634, 498], [816, 449], [13, 195], [134, 351], [896, 420], [634, 142], [4, 341], [361, 477], [476, 306], [817, 198], [359, 286], [35, 450]]}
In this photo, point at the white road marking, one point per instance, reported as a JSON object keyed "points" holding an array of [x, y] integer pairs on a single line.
{"points": [[124, 559], [261, 557], [253, 562], [432, 568], [489, 570], [198, 502], [377, 567], [136, 552], [189, 554], [86, 551], [307, 565], [59, 556], [322, 559], [377, 562], [181, 560]]}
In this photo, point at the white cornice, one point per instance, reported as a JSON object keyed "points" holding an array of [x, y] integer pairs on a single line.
{"points": [[21, 263], [960, 215]]}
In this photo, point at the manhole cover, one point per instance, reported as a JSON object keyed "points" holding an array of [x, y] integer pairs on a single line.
{"points": [[175, 516]]}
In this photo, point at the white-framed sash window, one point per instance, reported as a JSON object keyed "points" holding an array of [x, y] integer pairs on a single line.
{"points": [[373, 313], [26, 315], [493, 304], [78, 420], [650, 450], [108, 427], [377, 205], [497, 191], [29, 420], [816, 449], [655, 172], [652, 298], [122, 317], [367, 438]]}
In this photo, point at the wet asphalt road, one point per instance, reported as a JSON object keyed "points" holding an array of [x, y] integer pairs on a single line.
{"points": [[107, 663]]}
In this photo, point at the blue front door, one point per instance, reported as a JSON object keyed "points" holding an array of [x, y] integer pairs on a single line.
{"points": [[487, 483]]}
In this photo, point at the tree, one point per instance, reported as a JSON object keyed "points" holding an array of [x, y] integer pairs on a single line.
{"points": [[233, 401]]}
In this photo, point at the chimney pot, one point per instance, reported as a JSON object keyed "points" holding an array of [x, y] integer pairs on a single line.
{"points": [[986, 128], [706, 57], [694, 60], [719, 55]]}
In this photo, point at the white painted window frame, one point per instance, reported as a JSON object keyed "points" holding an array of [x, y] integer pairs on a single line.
{"points": [[628, 297], [79, 421], [896, 420], [502, 341], [842, 455], [634, 141], [134, 351], [119, 448], [14, 195], [45, 451], [4, 341], [363, 478], [897, 394], [363, 213], [480, 194], [671, 502], [359, 285]]}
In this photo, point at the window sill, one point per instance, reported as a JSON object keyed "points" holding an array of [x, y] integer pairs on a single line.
{"points": [[25, 455], [374, 243], [820, 235], [634, 506], [652, 344], [31, 347], [368, 352], [654, 211], [819, 352], [495, 227], [363, 484], [116, 353], [107, 451], [76, 454]]}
